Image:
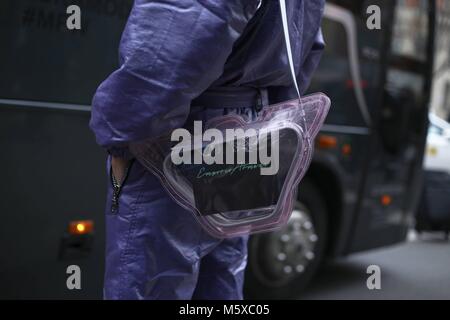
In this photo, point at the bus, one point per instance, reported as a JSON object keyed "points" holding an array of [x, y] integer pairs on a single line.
{"points": [[359, 193], [364, 182]]}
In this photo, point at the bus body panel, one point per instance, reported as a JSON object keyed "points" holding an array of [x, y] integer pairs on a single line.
{"points": [[54, 174]]}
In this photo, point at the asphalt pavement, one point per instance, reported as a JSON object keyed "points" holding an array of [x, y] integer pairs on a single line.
{"points": [[417, 269]]}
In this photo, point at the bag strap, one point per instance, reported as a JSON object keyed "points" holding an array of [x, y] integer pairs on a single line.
{"points": [[288, 45]]}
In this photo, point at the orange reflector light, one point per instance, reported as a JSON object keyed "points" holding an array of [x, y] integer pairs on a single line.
{"points": [[346, 149], [386, 200], [326, 142], [81, 227]]}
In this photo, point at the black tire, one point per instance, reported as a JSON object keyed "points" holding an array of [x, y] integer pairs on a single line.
{"points": [[259, 283]]}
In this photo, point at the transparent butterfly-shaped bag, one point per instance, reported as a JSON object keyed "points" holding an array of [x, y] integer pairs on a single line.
{"points": [[238, 175]]}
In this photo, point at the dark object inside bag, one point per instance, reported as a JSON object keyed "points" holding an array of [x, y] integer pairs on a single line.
{"points": [[220, 188]]}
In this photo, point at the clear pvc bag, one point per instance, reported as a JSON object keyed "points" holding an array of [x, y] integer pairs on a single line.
{"points": [[238, 175]]}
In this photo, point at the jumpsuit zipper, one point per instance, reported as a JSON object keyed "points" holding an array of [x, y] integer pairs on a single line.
{"points": [[117, 188]]}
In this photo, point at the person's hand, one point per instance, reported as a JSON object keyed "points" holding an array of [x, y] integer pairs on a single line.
{"points": [[119, 166]]}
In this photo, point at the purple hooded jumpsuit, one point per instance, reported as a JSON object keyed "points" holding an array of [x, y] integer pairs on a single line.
{"points": [[181, 60]]}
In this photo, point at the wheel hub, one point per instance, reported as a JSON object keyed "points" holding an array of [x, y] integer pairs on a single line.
{"points": [[291, 249]]}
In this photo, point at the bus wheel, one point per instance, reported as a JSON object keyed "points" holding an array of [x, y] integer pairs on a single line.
{"points": [[282, 263]]}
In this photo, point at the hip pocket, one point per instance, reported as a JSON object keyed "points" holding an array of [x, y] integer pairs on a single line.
{"points": [[117, 187]]}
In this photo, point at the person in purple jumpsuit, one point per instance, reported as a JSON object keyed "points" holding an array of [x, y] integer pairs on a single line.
{"points": [[181, 60]]}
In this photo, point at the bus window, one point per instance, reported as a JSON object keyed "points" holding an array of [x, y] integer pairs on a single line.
{"points": [[441, 72], [352, 53], [410, 32], [404, 103], [408, 46], [333, 76], [46, 61]]}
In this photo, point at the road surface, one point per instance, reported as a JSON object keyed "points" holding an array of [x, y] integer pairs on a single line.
{"points": [[418, 269]]}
